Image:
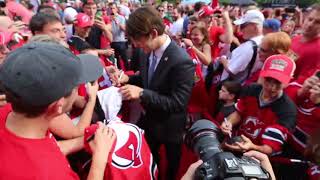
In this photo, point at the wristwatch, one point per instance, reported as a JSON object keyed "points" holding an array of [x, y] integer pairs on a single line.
{"points": [[141, 93]]}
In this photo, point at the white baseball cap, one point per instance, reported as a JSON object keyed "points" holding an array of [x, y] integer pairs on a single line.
{"points": [[70, 14], [251, 16]]}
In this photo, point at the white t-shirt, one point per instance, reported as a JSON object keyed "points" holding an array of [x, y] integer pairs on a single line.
{"points": [[124, 10], [240, 59], [177, 27]]}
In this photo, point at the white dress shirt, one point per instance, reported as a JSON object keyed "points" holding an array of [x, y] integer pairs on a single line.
{"points": [[159, 52]]}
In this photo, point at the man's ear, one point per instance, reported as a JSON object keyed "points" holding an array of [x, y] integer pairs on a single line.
{"points": [[232, 96], [55, 108], [154, 33]]}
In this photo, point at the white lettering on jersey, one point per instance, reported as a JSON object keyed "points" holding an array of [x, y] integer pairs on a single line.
{"points": [[315, 170]]}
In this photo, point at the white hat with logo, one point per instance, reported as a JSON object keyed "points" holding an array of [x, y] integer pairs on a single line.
{"points": [[251, 16]]}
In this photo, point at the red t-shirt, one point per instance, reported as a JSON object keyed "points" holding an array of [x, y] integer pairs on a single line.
{"points": [[308, 56], [265, 124], [214, 34], [23, 158]]}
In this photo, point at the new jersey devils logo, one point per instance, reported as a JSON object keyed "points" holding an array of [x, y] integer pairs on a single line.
{"points": [[128, 146], [252, 127]]}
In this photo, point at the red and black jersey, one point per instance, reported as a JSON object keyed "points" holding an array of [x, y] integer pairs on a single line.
{"points": [[265, 123], [307, 122], [130, 157], [314, 172], [307, 118]]}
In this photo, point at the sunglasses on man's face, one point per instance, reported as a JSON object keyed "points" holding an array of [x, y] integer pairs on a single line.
{"points": [[218, 16], [242, 26], [266, 50], [263, 50]]}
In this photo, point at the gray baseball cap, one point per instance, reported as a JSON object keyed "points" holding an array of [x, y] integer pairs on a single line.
{"points": [[40, 73]]}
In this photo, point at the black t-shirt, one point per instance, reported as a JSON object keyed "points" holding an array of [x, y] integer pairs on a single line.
{"points": [[78, 43], [94, 37], [227, 110]]}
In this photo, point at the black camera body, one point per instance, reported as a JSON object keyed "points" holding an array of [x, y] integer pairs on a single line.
{"points": [[225, 165], [203, 137]]}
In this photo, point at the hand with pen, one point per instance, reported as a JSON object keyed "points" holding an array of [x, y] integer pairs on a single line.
{"points": [[116, 76], [226, 127], [237, 143]]}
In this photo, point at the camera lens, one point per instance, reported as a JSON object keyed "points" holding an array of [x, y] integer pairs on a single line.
{"points": [[203, 137]]}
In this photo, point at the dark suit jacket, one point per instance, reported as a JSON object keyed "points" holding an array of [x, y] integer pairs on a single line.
{"points": [[166, 97]]}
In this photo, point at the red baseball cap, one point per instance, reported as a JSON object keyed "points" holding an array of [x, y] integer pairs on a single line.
{"points": [[83, 20], [279, 67], [5, 37], [205, 11]]}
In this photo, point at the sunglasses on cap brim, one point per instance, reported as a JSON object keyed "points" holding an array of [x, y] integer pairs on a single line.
{"points": [[2, 4]]}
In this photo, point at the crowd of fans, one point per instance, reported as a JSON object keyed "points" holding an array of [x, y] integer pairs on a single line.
{"points": [[252, 71]]}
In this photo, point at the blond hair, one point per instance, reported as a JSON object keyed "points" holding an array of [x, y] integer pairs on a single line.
{"points": [[279, 43]]}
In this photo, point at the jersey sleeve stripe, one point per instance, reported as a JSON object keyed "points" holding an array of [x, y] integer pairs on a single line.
{"points": [[275, 131], [300, 137], [271, 138]]}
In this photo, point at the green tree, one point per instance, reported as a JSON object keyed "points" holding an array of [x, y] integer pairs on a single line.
{"points": [[306, 3], [300, 3]]}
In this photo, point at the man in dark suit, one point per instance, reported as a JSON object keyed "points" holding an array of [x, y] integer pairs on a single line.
{"points": [[163, 85]]}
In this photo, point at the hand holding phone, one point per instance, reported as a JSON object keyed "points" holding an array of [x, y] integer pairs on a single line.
{"points": [[99, 15]]}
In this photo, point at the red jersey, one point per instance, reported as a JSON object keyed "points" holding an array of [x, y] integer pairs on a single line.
{"points": [[314, 172], [214, 37], [23, 158], [130, 157], [307, 118], [265, 123], [308, 56]]}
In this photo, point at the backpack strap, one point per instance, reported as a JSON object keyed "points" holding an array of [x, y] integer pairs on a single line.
{"points": [[253, 59]]}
